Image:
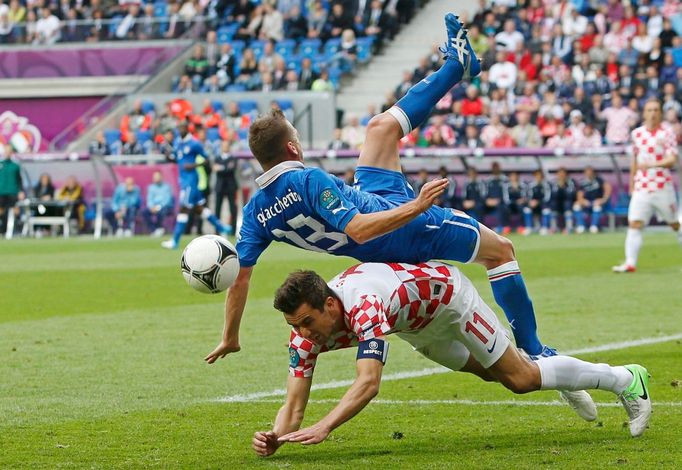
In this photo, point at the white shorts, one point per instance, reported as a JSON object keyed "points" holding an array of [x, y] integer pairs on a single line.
{"points": [[644, 205], [467, 326]]}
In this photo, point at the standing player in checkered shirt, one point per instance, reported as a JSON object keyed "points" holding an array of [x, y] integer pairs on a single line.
{"points": [[436, 309], [651, 186]]}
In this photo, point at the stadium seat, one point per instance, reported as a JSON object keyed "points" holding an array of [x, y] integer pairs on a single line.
{"points": [[217, 106], [145, 138], [237, 87], [677, 56], [257, 48], [160, 9], [226, 33], [148, 107], [335, 76], [285, 104], [212, 134], [364, 48], [113, 25], [243, 134], [332, 46], [285, 48], [247, 106], [112, 136], [238, 47], [309, 47]]}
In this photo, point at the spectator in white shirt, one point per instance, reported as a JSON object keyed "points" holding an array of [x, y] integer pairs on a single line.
{"points": [[509, 37], [575, 25], [47, 28], [503, 73]]}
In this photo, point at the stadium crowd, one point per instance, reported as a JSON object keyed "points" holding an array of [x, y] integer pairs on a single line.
{"points": [[558, 75]]}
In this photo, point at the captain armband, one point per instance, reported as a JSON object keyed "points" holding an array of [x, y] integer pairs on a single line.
{"points": [[374, 348]]}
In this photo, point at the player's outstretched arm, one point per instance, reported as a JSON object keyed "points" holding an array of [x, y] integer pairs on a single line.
{"points": [[365, 227], [363, 390], [288, 419], [234, 309]]}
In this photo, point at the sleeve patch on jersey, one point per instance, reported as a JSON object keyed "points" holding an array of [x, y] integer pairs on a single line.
{"points": [[373, 349], [329, 199], [294, 357]]}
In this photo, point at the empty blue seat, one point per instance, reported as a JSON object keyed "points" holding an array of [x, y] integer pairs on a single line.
{"points": [[257, 48], [247, 106], [332, 46], [112, 136], [243, 134], [217, 106], [309, 47], [285, 47], [238, 47], [285, 104], [212, 134], [226, 33], [237, 87], [145, 138], [148, 106], [160, 9]]}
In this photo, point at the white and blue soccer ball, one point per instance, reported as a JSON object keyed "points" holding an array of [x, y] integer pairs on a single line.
{"points": [[210, 264]]}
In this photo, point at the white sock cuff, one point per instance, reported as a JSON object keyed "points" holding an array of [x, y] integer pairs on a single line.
{"points": [[182, 217], [402, 119], [206, 213], [507, 269], [547, 374]]}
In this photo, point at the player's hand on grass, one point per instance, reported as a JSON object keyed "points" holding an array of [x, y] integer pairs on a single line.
{"points": [[430, 192], [312, 435], [223, 349], [265, 443]]}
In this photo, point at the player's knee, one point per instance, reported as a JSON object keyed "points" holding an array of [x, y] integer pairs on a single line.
{"points": [[507, 253], [636, 224], [675, 226], [383, 124]]}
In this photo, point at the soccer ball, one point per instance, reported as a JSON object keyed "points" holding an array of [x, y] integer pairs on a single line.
{"points": [[210, 264]]}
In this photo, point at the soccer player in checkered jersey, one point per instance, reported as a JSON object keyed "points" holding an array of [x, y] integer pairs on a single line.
{"points": [[436, 309], [378, 219], [654, 155]]}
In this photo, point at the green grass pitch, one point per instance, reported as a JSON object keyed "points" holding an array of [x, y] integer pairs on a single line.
{"points": [[102, 346]]}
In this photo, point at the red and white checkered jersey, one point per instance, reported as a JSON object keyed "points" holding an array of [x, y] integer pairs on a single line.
{"points": [[380, 299], [651, 147]]}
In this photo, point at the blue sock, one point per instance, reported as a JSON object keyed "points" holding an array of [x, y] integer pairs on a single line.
{"points": [[528, 218], [511, 294], [413, 108], [180, 224], [220, 228], [546, 216], [596, 216], [579, 218]]}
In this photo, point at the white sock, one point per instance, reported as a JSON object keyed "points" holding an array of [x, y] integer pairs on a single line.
{"points": [[679, 235], [569, 373], [633, 243]]}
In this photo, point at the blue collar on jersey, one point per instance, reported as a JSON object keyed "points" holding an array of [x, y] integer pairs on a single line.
{"points": [[273, 173]]}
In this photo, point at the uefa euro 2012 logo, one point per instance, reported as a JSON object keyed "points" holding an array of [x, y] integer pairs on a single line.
{"points": [[329, 199], [17, 132]]}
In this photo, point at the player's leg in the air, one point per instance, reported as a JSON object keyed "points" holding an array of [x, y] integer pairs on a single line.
{"points": [[385, 130], [380, 152]]}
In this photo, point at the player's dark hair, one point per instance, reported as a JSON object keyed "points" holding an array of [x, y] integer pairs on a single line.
{"points": [[301, 287], [268, 137]]}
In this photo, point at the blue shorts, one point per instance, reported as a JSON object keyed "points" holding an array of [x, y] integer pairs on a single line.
{"points": [[439, 233], [191, 196]]}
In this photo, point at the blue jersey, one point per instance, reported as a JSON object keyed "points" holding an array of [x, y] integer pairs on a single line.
{"points": [[308, 208], [186, 152]]}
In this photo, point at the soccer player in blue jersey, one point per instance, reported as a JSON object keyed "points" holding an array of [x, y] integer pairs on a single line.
{"points": [[378, 218], [190, 154]]}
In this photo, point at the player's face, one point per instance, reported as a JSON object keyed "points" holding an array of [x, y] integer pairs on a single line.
{"points": [[652, 114], [314, 324]]}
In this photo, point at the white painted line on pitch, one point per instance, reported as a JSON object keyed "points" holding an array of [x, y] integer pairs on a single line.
{"points": [[441, 370], [468, 402]]}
